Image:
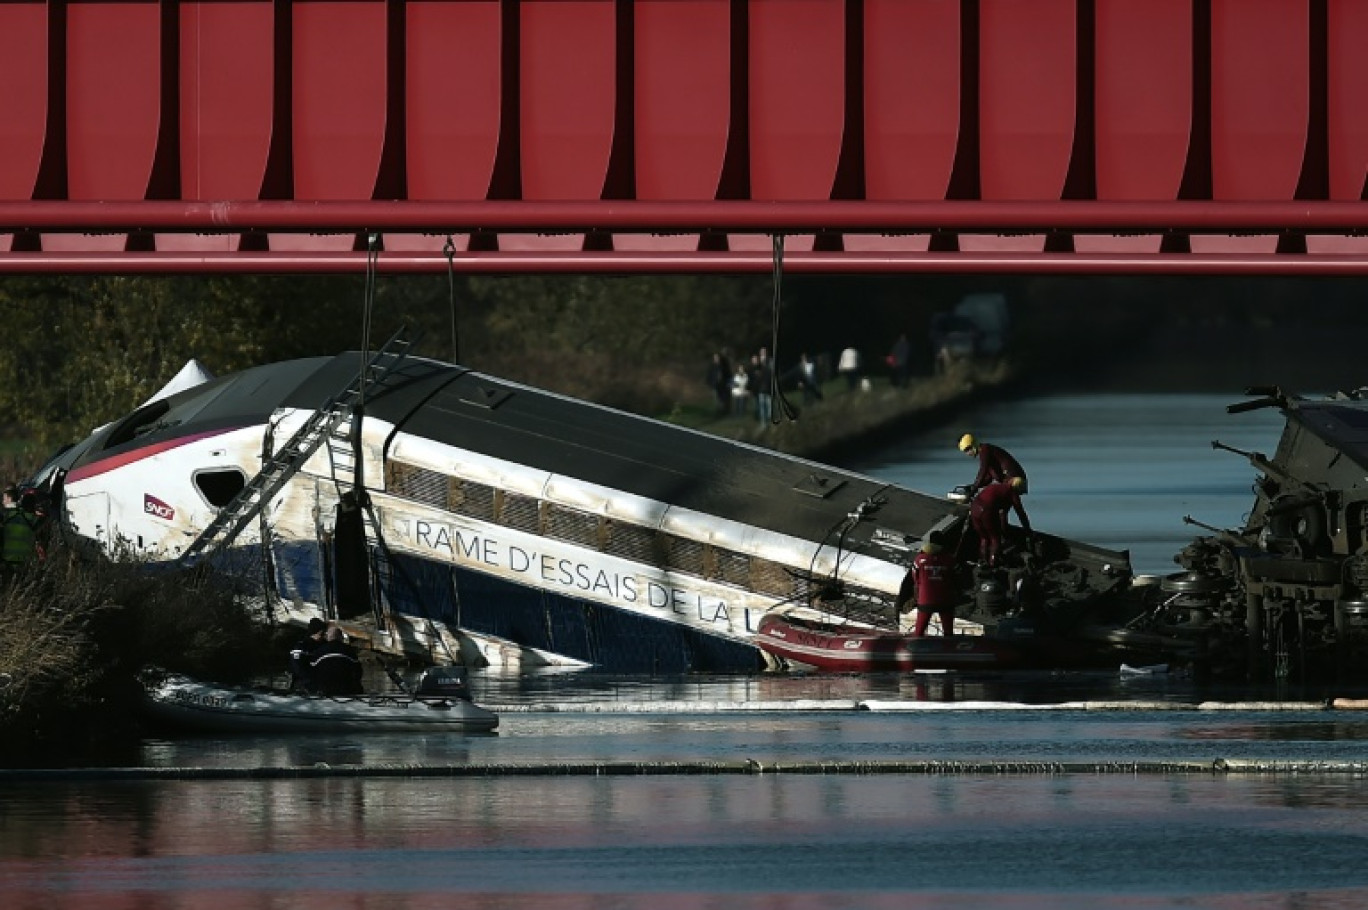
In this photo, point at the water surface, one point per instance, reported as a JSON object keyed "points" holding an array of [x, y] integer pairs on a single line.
{"points": [[1118, 471]]}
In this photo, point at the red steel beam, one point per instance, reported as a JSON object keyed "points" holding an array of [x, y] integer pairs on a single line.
{"points": [[532, 262], [861, 217]]}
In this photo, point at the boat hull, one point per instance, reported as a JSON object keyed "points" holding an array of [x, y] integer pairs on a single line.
{"points": [[189, 704], [843, 648]]}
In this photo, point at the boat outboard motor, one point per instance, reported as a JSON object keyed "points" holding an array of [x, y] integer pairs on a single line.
{"points": [[443, 682], [990, 590]]}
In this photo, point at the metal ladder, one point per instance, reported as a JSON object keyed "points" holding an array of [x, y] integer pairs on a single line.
{"points": [[277, 470]]}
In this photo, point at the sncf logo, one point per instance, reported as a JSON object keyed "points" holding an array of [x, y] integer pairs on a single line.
{"points": [[154, 506]]}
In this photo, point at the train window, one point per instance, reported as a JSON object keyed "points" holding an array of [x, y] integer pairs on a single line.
{"points": [[220, 487], [138, 423]]}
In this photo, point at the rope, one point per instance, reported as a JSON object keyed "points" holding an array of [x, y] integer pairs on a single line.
{"points": [[449, 248], [372, 257], [776, 387]]}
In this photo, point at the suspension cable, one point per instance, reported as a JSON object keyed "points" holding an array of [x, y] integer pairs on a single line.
{"points": [[449, 248], [776, 386], [372, 257]]}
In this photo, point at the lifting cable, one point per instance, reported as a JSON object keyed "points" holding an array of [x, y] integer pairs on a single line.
{"points": [[449, 248], [776, 387], [372, 256]]}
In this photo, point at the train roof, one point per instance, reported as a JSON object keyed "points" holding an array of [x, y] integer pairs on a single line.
{"points": [[637, 455], [1342, 422]]}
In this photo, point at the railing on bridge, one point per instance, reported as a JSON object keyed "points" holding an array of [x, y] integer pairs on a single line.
{"points": [[657, 135]]}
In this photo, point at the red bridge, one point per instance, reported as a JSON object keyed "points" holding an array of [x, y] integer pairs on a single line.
{"points": [[1211, 136]]}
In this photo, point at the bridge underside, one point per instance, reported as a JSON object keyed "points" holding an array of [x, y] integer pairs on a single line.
{"points": [[670, 237], [1085, 136]]}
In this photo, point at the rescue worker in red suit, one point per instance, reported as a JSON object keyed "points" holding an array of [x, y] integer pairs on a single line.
{"points": [[995, 464], [932, 582], [988, 516]]}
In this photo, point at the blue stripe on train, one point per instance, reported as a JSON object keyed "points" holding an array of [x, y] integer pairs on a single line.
{"points": [[609, 638]]}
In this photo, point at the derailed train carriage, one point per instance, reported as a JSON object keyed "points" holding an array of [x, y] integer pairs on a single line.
{"points": [[1286, 594], [447, 512]]}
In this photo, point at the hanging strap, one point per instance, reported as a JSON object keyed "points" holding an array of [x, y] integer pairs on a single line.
{"points": [[776, 387], [372, 257], [449, 248]]}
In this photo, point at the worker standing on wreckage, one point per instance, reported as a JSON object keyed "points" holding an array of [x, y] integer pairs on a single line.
{"points": [[988, 517], [996, 490], [995, 464], [933, 584]]}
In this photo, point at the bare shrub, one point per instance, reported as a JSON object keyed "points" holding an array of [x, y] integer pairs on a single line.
{"points": [[75, 634]]}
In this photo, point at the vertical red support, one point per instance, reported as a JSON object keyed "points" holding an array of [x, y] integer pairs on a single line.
{"points": [[23, 114], [682, 97], [227, 77], [453, 90], [568, 97], [1260, 107], [1259, 97], [1027, 97], [912, 106], [114, 78], [1028, 59], [796, 87], [681, 105], [1348, 87], [1346, 117], [568, 101], [338, 112], [1142, 107]]}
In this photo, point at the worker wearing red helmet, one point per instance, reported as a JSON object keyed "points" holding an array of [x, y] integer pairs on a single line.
{"points": [[995, 464], [988, 516]]}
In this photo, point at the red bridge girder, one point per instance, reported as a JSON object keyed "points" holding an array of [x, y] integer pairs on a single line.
{"points": [[1215, 136]]}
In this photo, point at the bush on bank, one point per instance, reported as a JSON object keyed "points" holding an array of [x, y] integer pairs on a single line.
{"points": [[75, 634]]}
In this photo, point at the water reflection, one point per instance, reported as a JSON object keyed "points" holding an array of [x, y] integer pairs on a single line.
{"points": [[1117, 471], [803, 841]]}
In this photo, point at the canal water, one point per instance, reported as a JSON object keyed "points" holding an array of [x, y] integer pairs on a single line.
{"points": [[1119, 471], [1049, 790]]}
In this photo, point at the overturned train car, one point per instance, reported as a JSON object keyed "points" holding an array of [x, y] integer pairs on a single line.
{"points": [[446, 512]]}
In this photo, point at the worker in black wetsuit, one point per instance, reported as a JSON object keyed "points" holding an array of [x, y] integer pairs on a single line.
{"points": [[336, 667], [303, 654]]}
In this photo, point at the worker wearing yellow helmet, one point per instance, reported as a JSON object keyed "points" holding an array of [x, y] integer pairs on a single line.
{"points": [[995, 464], [988, 517]]}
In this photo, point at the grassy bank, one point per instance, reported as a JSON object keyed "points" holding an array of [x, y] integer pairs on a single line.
{"points": [[845, 421]]}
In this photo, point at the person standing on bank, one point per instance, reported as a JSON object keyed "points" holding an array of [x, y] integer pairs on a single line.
{"points": [[996, 464], [19, 529], [849, 367], [932, 581], [762, 383], [719, 380]]}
